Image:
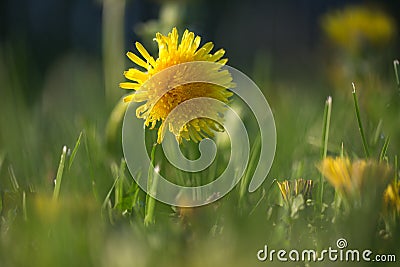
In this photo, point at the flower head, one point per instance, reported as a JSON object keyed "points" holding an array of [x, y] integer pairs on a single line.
{"points": [[391, 198], [163, 85], [352, 178], [357, 26], [290, 189]]}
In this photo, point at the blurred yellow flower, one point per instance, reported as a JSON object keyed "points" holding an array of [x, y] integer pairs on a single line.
{"points": [[356, 26], [391, 197], [159, 102], [294, 188], [350, 178]]}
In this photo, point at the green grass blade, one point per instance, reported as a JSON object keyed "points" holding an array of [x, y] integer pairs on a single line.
{"points": [[152, 189], [2, 157], [108, 196], [324, 141], [13, 179], [73, 154], [384, 149], [360, 126], [245, 181], [115, 174], [120, 179], [378, 132], [60, 173], [396, 169], [396, 72], [326, 125], [91, 171], [24, 212], [342, 150], [263, 194]]}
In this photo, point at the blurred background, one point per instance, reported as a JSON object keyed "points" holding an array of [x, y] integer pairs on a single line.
{"points": [[287, 34]]}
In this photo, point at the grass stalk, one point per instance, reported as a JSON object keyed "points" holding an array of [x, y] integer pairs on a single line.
{"points": [[119, 186], [324, 142], [152, 181], [360, 126], [91, 171], [396, 169], [60, 173], [24, 212], [396, 72], [384, 149], [13, 179], [73, 154], [107, 201], [245, 181], [378, 132]]}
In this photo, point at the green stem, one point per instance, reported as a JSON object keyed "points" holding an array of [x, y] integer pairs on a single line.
{"points": [[384, 149], [396, 72], [91, 170], [24, 206], [245, 181], [152, 182], [60, 172], [396, 170], [75, 150], [13, 179], [325, 137], [360, 126]]}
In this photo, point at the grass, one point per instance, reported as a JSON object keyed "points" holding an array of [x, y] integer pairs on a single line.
{"points": [[325, 138], [360, 125], [102, 218]]}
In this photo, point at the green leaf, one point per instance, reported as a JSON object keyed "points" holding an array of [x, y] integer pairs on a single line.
{"points": [[73, 154], [60, 173]]}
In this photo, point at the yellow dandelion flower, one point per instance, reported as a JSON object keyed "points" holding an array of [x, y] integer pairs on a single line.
{"points": [[160, 99], [338, 172], [355, 26], [391, 197], [350, 178], [290, 189]]}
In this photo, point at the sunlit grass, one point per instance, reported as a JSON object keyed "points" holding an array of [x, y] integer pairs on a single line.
{"points": [[97, 199]]}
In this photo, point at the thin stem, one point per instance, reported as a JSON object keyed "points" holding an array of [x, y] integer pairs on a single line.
{"points": [[360, 126], [120, 179], [25, 215], [245, 181], [382, 155], [396, 72], [324, 141], [75, 150], [342, 150], [13, 179], [396, 170], [152, 182], [327, 122], [59, 175], [91, 170]]}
